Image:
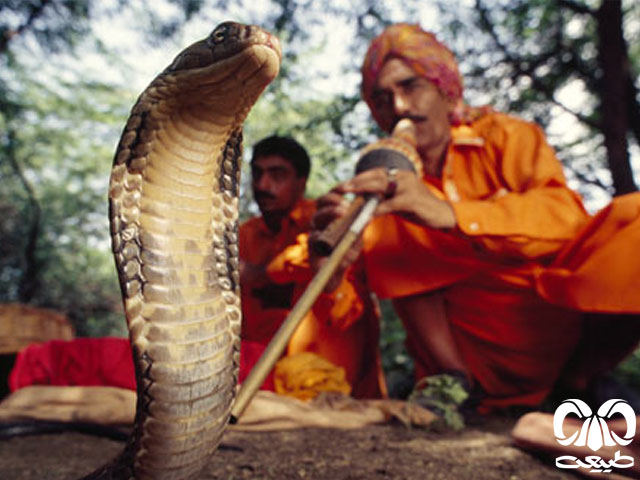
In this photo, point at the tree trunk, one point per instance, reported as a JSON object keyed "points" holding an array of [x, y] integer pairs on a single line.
{"points": [[633, 109], [614, 62], [30, 280]]}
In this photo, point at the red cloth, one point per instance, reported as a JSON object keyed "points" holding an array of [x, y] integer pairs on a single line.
{"points": [[250, 353], [79, 362], [97, 361]]}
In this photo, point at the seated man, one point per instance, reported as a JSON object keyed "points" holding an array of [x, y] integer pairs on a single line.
{"points": [[489, 257], [343, 327]]}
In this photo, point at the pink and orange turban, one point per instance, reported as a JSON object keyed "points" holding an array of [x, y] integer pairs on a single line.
{"points": [[422, 52]]}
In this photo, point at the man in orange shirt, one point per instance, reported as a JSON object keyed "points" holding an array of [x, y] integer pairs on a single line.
{"points": [[489, 257], [343, 325]]}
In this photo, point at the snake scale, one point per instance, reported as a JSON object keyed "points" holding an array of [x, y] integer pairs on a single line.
{"points": [[173, 216]]}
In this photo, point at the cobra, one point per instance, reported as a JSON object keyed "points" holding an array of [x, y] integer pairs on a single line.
{"points": [[173, 198]]}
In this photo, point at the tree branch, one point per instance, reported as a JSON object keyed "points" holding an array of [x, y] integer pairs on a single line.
{"points": [[29, 280], [577, 7], [582, 118], [614, 104], [633, 108], [589, 180], [35, 12], [526, 67]]}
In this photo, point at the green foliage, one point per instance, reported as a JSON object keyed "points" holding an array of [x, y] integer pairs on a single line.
{"points": [[61, 141], [396, 363], [55, 24], [60, 119], [628, 372], [443, 394]]}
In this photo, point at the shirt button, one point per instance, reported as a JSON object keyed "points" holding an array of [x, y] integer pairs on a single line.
{"points": [[474, 226]]}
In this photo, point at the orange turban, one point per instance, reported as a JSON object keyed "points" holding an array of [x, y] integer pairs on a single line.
{"points": [[425, 55]]}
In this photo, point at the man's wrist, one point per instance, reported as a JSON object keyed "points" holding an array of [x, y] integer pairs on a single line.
{"points": [[439, 214], [449, 220]]}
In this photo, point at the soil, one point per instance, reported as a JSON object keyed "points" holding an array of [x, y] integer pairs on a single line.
{"points": [[378, 452]]}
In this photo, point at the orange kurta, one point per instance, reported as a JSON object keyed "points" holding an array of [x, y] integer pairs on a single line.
{"points": [[514, 319], [259, 246], [342, 327]]}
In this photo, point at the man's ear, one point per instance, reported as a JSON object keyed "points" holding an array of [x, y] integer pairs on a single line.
{"points": [[455, 107], [302, 185], [451, 103]]}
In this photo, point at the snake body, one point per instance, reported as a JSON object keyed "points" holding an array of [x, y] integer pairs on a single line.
{"points": [[173, 215]]}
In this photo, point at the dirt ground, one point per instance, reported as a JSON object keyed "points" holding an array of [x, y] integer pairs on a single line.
{"points": [[377, 452]]}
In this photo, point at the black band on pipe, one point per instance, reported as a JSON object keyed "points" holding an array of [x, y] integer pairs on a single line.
{"points": [[384, 157]]}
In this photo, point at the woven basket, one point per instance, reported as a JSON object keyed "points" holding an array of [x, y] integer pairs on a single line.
{"points": [[21, 325]]}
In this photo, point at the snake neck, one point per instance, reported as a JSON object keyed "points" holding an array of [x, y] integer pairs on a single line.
{"points": [[174, 224]]}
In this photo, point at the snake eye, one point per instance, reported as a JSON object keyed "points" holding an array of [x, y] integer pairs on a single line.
{"points": [[219, 34]]}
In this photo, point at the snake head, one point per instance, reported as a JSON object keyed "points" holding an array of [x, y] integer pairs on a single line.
{"points": [[224, 73], [231, 33], [225, 41]]}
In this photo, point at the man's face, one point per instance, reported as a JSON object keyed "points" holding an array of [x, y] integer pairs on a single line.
{"points": [[276, 186], [401, 93]]}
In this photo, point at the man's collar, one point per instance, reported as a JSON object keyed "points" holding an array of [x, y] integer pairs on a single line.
{"points": [[298, 214]]}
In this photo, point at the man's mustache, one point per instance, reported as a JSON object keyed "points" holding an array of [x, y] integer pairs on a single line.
{"points": [[410, 116], [264, 196]]}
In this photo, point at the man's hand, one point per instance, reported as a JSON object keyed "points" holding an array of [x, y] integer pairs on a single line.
{"points": [[252, 274], [330, 207], [275, 295], [411, 199]]}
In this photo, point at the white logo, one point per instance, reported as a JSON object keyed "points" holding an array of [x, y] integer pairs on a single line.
{"points": [[594, 434]]}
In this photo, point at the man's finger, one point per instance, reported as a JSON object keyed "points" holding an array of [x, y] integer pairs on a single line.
{"points": [[325, 216], [371, 181], [331, 199]]}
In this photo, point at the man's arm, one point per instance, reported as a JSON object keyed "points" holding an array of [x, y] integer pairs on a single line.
{"points": [[340, 305], [531, 214], [412, 198], [252, 274]]}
